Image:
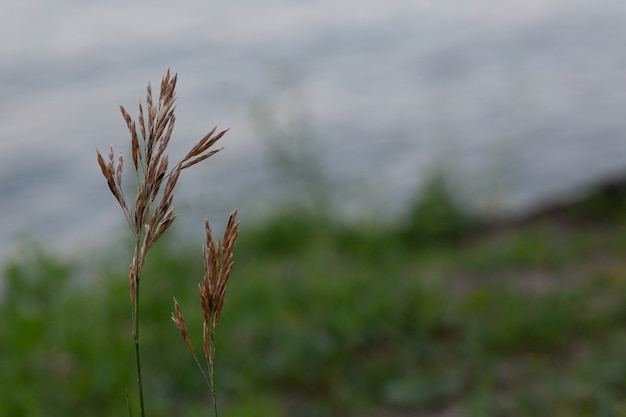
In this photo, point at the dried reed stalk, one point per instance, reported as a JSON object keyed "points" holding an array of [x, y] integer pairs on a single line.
{"points": [[218, 262], [153, 211]]}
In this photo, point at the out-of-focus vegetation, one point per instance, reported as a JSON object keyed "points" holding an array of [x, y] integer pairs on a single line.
{"points": [[439, 315]]}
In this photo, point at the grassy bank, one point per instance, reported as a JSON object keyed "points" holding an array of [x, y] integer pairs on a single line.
{"points": [[438, 316]]}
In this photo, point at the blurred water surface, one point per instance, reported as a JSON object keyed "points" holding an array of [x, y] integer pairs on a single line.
{"points": [[520, 102]]}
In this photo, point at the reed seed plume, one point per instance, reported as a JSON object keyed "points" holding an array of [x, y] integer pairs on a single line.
{"points": [[151, 163], [218, 262], [179, 321], [152, 212]]}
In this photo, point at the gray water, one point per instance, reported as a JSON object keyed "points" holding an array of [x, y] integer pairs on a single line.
{"points": [[519, 102]]}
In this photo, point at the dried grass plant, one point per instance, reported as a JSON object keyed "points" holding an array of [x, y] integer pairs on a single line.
{"points": [[151, 213], [218, 261]]}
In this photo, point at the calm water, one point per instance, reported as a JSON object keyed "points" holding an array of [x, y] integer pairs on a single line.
{"points": [[520, 102]]}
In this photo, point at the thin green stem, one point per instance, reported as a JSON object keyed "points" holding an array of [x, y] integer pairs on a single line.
{"points": [[136, 328], [206, 378], [130, 411], [212, 370], [138, 362]]}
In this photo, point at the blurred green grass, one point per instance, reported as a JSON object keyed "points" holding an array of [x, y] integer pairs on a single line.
{"points": [[440, 314]]}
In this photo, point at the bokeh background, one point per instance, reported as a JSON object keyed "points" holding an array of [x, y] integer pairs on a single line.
{"points": [[430, 196], [519, 102]]}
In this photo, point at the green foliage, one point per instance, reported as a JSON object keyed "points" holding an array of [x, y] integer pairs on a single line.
{"points": [[326, 319], [435, 217], [286, 233], [607, 202]]}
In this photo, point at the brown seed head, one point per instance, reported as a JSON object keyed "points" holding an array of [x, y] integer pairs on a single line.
{"points": [[218, 261], [179, 321]]}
